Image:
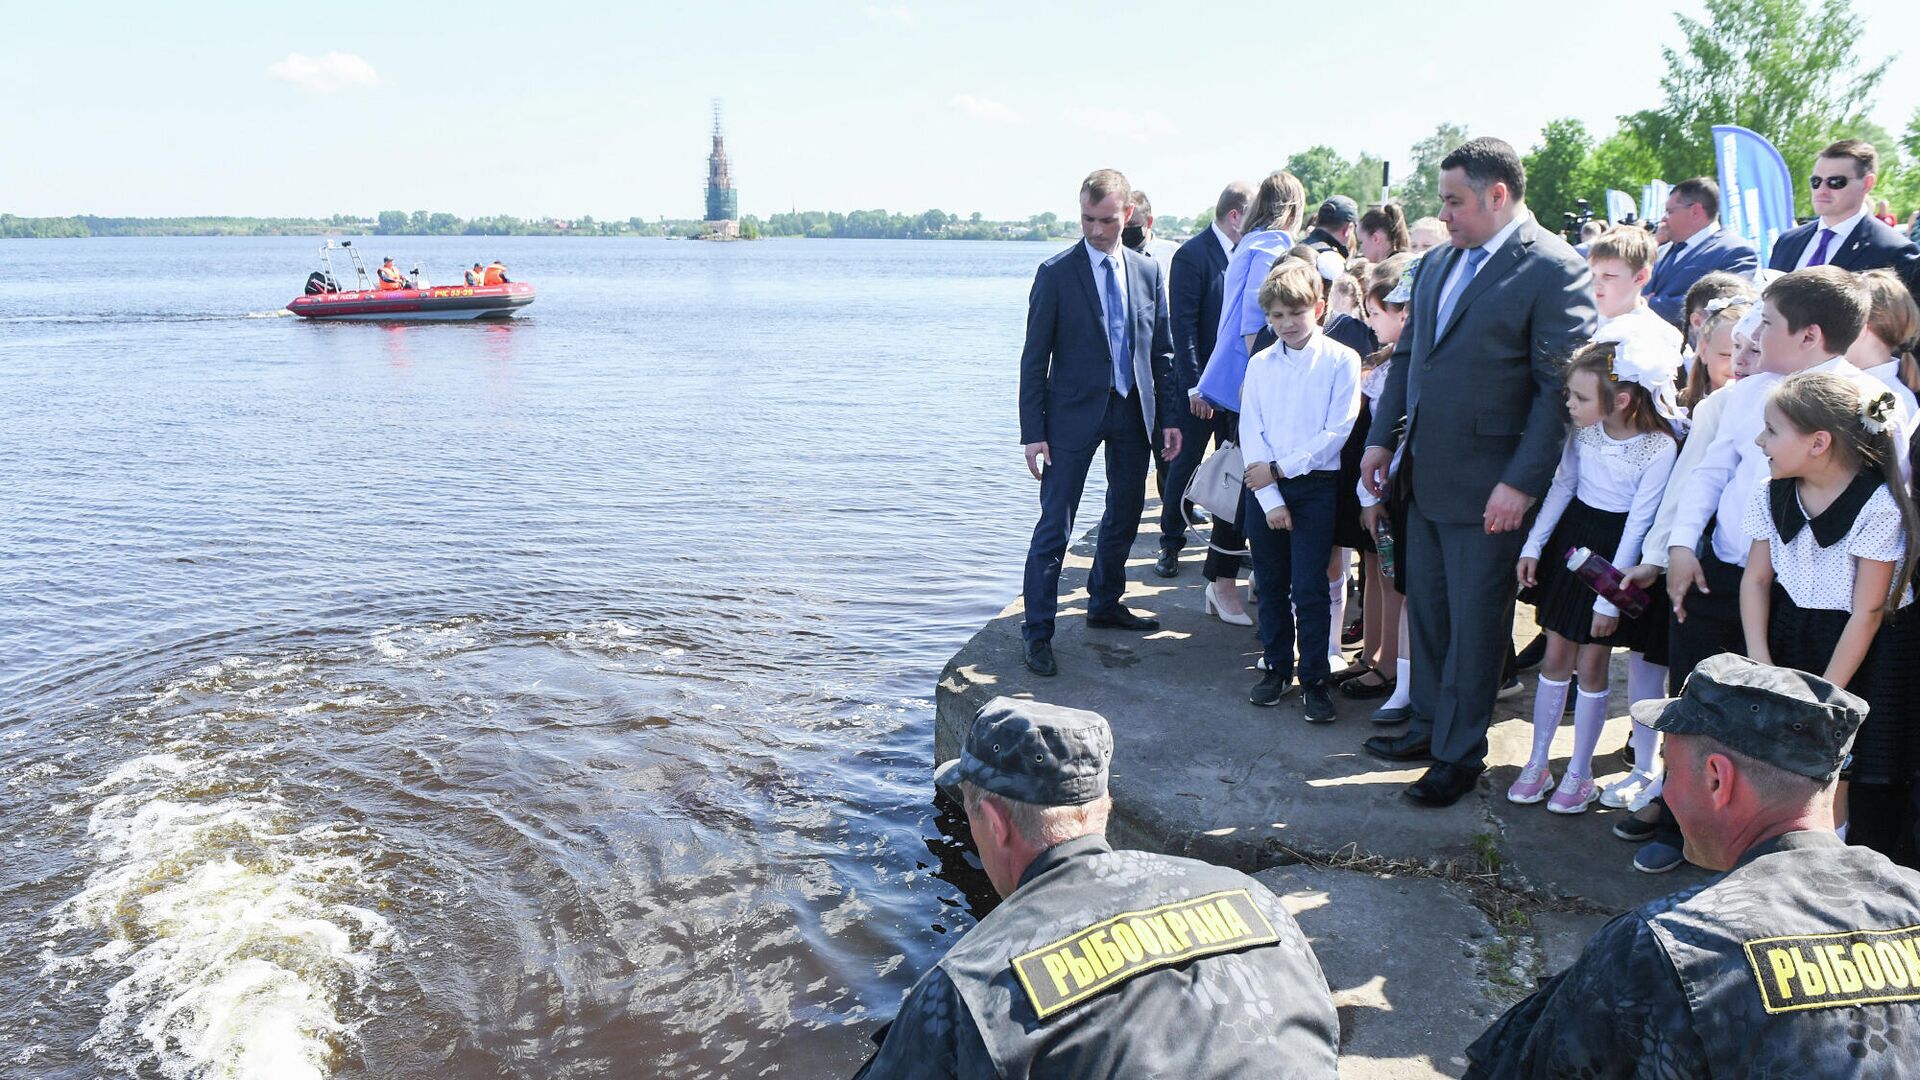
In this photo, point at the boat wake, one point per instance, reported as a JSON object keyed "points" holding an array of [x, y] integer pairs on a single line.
{"points": [[237, 934]]}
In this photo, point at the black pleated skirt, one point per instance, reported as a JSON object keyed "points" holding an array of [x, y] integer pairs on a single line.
{"points": [[1564, 604], [1347, 530], [1804, 638]]}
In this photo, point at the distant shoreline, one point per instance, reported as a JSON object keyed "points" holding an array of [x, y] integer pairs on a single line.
{"points": [[183, 235], [861, 225]]}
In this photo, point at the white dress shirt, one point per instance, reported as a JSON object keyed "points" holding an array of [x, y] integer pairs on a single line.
{"points": [[1615, 475], [1840, 234], [1460, 263], [1643, 323], [1889, 373], [1226, 245], [1702, 425], [1297, 408], [1733, 466], [1371, 383], [1097, 257]]}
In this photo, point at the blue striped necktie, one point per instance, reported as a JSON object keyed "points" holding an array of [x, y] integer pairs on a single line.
{"points": [[1475, 256], [1119, 341]]}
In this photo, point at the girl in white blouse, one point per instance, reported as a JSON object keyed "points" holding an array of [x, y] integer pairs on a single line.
{"points": [[1603, 498], [1829, 573]]}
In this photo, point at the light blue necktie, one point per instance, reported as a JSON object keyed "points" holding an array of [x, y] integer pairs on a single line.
{"points": [[1475, 256], [1119, 341]]}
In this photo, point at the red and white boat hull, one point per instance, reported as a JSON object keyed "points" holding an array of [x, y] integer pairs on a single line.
{"points": [[440, 302]]}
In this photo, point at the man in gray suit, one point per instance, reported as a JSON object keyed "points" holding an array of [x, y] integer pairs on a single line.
{"points": [[1476, 380]]}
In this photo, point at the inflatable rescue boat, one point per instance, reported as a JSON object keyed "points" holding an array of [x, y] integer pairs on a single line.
{"points": [[325, 299]]}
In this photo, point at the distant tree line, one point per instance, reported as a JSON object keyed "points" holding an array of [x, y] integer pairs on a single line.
{"points": [[926, 225], [860, 224], [14, 227]]}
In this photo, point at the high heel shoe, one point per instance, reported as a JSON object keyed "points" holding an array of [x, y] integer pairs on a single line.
{"points": [[1231, 619]]}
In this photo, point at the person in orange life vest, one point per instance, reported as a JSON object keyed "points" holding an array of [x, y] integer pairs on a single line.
{"points": [[476, 275], [496, 273], [389, 276]]}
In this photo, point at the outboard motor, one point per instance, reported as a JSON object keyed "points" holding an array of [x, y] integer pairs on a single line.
{"points": [[320, 282]]}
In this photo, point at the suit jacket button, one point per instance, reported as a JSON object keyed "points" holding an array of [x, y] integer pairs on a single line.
{"points": [[1428, 366]]}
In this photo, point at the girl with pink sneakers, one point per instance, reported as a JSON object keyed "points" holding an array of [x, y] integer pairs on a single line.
{"points": [[1603, 499]]}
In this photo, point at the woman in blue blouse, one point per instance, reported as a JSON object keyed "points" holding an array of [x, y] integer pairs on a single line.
{"points": [[1271, 220]]}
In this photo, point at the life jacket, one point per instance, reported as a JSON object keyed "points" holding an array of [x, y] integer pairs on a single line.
{"points": [[390, 278], [496, 275], [476, 277]]}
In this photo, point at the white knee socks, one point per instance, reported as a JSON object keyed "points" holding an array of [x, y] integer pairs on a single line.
{"points": [[1402, 685], [1645, 681], [1337, 595], [1549, 702], [1589, 717]]}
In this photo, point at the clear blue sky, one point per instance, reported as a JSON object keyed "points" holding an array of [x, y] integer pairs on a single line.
{"points": [[539, 108]]}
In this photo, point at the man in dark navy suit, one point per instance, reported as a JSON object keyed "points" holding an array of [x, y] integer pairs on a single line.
{"points": [[1700, 247], [1847, 235], [1199, 269], [1097, 369]]}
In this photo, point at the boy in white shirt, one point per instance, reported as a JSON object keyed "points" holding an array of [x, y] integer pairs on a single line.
{"points": [[1622, 264], [1297, 406]]}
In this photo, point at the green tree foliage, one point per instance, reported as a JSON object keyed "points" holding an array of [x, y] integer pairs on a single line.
{"points": [[1620, 161], [1320, 169], [1361, 181], [1419, 193], [1556, 169], [1783, 68], [1324, 173], [25, 228]]}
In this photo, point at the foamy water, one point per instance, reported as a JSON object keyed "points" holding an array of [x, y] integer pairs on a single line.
{"points": [[239, 939]]}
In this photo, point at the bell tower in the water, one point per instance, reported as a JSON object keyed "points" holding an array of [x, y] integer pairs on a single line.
{"points": [[723, 203]]}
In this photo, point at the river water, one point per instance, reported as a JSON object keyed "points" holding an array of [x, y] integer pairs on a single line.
{"points": [[544, 699]]}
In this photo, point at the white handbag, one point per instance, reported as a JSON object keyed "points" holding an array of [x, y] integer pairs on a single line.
{"points": [[1218, 483]]}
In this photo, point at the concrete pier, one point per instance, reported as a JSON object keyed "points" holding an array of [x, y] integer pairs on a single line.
{"points": [[1428, 922]]}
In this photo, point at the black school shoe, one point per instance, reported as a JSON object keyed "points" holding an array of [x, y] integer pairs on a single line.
{"points": [[1273, 686], [1632, 828], [1317, 705]]}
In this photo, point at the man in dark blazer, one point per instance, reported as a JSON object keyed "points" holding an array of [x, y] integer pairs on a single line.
{"points": [[1699, 247], [1097, 368], [1846, 234], [1194, 285], [1476, 379]]}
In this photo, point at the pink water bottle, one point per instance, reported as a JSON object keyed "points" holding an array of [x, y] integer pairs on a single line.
{"points": [[1600, 576]]}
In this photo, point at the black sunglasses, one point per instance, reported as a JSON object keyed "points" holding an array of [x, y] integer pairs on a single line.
{"points": [[1834, 183]]}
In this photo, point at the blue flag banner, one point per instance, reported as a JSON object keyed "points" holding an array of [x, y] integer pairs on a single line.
{"points": [[1756, 190], [1619, 206], [1653, 201]]}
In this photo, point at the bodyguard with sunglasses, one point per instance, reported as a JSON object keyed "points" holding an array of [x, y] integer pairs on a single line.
{"points": [[1846, 234]]}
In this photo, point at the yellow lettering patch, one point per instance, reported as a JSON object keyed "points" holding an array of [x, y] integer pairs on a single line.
{"points": [[1822, 971], [1114, 950]]}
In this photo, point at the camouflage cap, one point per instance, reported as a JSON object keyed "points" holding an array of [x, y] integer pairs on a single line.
{"points": [[1032, 752], [1789, 719]]}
